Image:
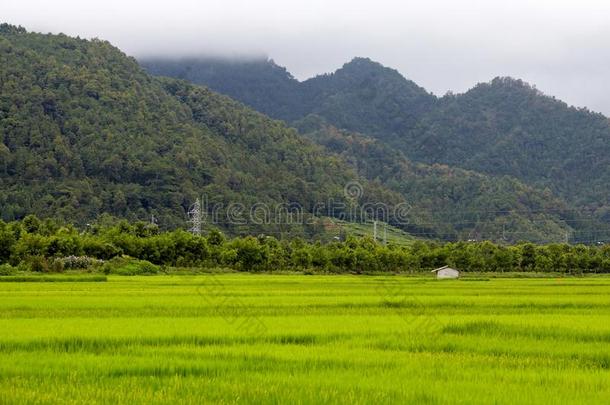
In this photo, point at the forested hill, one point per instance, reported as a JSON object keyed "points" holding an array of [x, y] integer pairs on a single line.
{"points": [[508, 127], [505, 127], [366, 97], [259, 83], [86, 131], [362, 96], [454, 203]]}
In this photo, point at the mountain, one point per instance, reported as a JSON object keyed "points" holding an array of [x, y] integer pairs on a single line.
{"points": [[507, 127], [256, 82], [501, 128], [85, 131], [366, 97], [362, 96], [449, 202]]}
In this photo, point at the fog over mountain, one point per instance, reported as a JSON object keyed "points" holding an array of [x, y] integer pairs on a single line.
{"points": [[559, 45]]}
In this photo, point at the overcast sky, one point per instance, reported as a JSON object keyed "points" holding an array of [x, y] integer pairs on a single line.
{"points": [[563, 47]]}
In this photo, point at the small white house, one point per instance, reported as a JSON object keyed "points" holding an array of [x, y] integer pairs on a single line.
{"points": [[446, 272]]}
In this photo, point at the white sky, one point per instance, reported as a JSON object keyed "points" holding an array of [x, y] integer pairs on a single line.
{"points": [[563, 47]]}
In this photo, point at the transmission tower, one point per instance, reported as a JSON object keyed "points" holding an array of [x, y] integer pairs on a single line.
{"points": [[194, 218]]}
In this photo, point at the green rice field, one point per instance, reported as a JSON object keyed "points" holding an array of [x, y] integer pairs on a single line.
{"points": [[242, 338]]}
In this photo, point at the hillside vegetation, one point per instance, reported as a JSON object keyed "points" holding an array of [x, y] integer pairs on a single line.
{"points": [[86, 131], [501, 128], [451, 203]]}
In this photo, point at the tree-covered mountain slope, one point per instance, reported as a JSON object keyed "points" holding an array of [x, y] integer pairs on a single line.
{"points": [[84, 131], [259, 83], [362, 96], [454, 203], [507, 127], [366, 97], [501, 128]]}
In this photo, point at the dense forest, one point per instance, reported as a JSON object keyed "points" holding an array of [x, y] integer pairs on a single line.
{"points": [[498, 129], [86, 131], [88, 135], [33, 245], [453, 203]]}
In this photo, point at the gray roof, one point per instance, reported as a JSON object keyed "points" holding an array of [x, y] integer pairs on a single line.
{"points": [[443, 268]]}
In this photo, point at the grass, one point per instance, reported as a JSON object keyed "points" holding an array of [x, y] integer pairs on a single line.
{"points": [[242, 338], [53, 279]]}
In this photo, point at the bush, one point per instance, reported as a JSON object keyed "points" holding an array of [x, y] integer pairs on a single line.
{"points": [[38, 264], [77, 262], [7, 270], [127, 266], [56, 267]]}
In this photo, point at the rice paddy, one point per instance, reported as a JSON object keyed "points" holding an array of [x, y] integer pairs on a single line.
{"points": [[243, 338]]}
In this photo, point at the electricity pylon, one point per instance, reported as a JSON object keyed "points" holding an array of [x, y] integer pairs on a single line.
{"points": [[194, 218]]}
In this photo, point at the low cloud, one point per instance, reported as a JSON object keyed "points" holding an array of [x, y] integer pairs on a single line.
{"points": [[560, 46]]}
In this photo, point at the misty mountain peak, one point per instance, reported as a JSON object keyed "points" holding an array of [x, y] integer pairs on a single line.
{"points": [[359, 62], [507, 85], [360, 67]]}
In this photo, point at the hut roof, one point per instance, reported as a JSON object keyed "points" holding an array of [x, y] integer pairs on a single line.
{"points": [[443, 268]]}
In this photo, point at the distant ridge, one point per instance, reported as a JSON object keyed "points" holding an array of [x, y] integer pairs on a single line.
{"points": [[505, 127], [87, 133]]}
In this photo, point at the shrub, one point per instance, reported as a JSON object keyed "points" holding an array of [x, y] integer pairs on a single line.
{"points": [[38, 264], [127, 266], [77, 262], [7, 270], [56, 266]]}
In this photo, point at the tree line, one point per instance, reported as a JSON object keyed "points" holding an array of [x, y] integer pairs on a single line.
{"points": [[47, 246]]}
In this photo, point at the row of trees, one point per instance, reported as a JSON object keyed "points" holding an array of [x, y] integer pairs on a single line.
{"points": [[32, 239]]}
